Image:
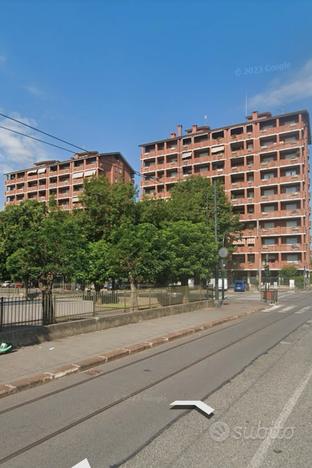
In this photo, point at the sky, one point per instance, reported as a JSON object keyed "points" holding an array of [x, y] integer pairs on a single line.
{"points": [[109, 75]]}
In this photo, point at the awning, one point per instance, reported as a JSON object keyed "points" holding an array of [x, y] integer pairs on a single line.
{"points": [[217, 149], [90, 173], [77, 175], [32, 172], [187, 154]]}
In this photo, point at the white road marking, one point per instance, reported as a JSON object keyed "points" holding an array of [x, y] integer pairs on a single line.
{"points": [[285, 342], [304, 309], [196, 403], [83, 464], [274, 307], [260, 454], [287, 309]]}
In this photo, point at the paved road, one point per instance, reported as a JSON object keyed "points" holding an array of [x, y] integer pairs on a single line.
{"points": [[256, 373]]}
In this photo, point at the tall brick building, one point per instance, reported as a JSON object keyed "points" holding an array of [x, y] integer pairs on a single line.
{"points": [[64, 179], [264, 166]]}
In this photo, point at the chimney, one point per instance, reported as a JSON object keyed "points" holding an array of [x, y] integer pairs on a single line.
{"points": [[179, 130], [173, 135], [194, 128]]}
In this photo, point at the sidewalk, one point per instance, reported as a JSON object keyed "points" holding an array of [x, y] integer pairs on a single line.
{"points": [[37, 364]]}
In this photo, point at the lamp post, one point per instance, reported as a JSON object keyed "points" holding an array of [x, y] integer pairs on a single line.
{"points": [[223, 253], [266, 275]]}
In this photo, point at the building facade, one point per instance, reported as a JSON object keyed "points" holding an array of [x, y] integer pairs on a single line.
{"points": [[64, 180], [263, 164]]}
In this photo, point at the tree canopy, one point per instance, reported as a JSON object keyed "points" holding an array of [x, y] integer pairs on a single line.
{"points": [[114, 236]]}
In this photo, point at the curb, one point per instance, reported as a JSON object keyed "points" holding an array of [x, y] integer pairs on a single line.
{"points": [[99, 359]]}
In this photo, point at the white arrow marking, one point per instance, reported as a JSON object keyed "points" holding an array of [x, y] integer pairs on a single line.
{"points": [[196, 403], [83, 464]]}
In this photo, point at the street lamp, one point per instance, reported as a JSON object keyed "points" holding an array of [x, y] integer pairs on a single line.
{"points": [[266, 274]]}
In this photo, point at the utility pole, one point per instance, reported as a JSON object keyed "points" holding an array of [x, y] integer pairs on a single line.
{"points": [[215, 206]]}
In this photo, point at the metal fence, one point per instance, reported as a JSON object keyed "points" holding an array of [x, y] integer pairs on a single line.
{"points": [[127, 301], [36, 310], [15, 311]]}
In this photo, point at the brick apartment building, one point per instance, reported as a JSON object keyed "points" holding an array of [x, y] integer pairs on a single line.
{"points": [[64, 179], [263, 164]]}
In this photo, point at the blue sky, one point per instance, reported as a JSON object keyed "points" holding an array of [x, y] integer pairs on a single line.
{"points": [[109, 75]]}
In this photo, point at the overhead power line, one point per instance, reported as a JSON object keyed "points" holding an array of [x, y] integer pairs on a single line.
{"points": [[36, 139], [41, 131]]}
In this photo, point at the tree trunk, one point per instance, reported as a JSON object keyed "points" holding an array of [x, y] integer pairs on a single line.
{"points": [[97, 288], [134, 294], [45, 285]]}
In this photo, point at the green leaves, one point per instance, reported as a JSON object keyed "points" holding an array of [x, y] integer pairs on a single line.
{"points": [[116, 237], [38, 242]]}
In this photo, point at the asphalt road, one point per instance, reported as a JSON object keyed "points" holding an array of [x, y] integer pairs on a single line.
{"points": [[256, 374]]}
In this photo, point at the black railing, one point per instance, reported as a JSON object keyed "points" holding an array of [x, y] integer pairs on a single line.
{"points": [[45, 308], [16, 312]]}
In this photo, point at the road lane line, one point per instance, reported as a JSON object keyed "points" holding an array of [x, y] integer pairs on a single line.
{"points": [[304, 309], [287, 309], [274, 307], [260, 454]]}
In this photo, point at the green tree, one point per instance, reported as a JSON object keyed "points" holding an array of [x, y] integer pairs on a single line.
{"points": [[43, 245], [193, 251], [153, 211], [140, 254], [98, 268], [193, 200], [106, 206]]}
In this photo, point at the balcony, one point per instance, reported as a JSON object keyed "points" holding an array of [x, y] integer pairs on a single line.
{"points": [[280, 230], [151, 168], [281, 248], [291, 161], [272, 180]]}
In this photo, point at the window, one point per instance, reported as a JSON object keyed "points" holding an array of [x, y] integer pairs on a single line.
{"points": [[268, 175], [267, 192], [292, 223], [268, 225], [291, 188], [172, 159], [291, 240], [268, 208], [149, 162], [251, 258], [292, 258], [239, 258], [90, 161], [290, 206], [269, 241], [202, 168], [291, 172], [272, 258]]}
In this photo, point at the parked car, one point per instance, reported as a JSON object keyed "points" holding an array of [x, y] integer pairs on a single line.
{"points": [[240, 286], [7, 284]]}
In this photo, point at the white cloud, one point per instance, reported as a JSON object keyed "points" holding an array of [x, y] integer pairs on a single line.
{"points": [[17, 151], [298, 87], [34, 90]]}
